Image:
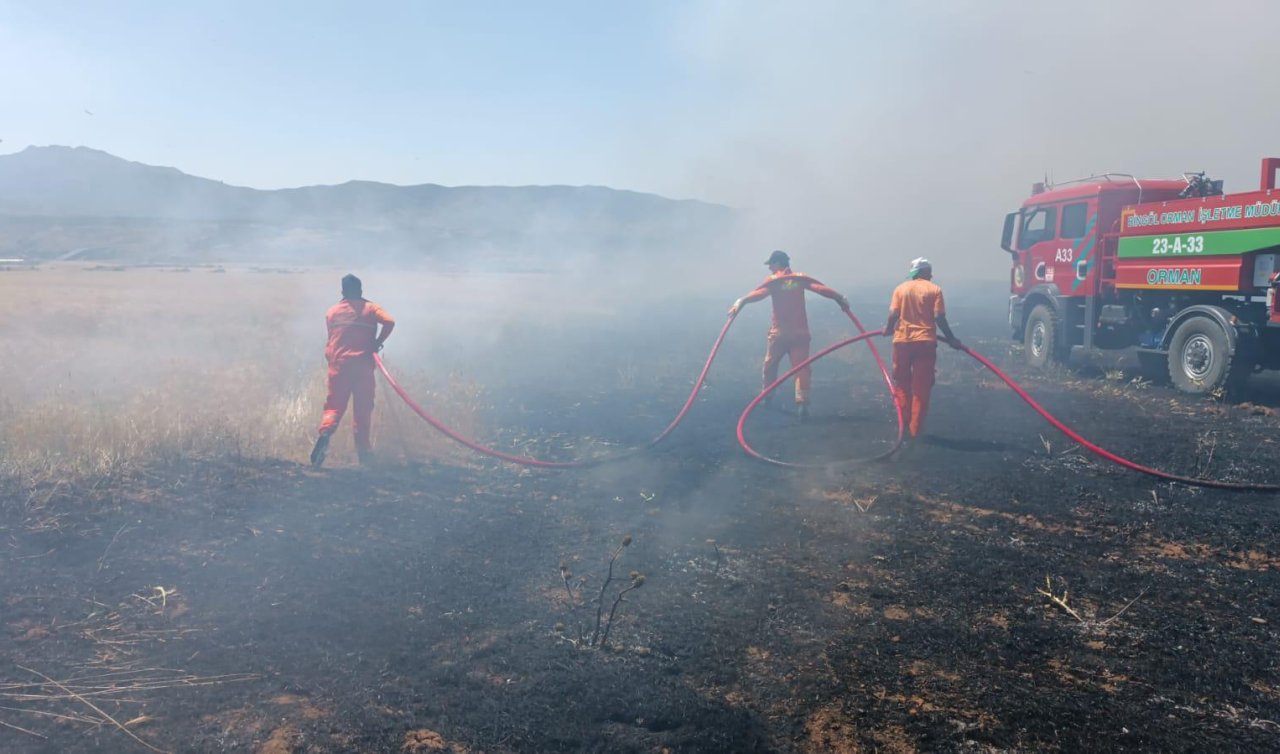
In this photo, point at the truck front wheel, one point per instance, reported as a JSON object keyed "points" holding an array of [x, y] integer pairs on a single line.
{"points": [[1041, 338], [1201, 360]]}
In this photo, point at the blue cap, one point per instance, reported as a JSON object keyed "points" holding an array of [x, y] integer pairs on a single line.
{"points": [[779, 258]]}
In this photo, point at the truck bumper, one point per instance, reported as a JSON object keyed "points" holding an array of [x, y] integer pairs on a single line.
{"points": [[1015, 317]]}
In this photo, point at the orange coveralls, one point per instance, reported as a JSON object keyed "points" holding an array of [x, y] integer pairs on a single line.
{"points": [[918, 304], [789, 330], [353, 339]]}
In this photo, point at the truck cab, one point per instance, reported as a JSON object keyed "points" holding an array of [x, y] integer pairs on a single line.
{"points": [[1174, 267], [1058, 244]]}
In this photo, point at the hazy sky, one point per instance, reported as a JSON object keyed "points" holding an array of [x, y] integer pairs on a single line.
{"points": [[287, 93], [846, 125]]}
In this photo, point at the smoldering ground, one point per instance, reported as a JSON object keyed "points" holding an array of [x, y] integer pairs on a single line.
{"points": [[145, 384], [209, 592]]}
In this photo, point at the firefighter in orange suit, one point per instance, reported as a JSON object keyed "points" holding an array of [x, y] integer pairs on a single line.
{"points": [[789, 332], [916, 314], [354, 337]]}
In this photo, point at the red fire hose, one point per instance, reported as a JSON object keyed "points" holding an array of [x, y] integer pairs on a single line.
{"points": [[888, 383], [795, 368], [537, 462], [684, 410], [1021, 393], [1108, 455]]}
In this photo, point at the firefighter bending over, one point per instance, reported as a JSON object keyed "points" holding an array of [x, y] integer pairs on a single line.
{"points": [[354, 338], [916, 313], [789, 332]]}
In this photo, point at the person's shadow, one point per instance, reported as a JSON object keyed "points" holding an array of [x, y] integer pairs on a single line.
{"points": [[964, 445]]}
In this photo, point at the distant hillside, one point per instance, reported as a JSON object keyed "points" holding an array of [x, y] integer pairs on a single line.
{"points": [[62, 202]]}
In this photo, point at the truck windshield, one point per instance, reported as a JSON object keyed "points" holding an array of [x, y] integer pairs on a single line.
{"points": [[1038, 224]]}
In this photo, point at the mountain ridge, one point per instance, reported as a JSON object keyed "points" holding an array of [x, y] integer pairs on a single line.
{"points": [[56, 199]]}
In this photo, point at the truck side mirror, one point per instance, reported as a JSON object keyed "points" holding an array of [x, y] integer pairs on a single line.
{"points": [[1006, 238]]}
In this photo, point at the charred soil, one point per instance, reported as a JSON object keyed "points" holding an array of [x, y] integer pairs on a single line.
{"points": [[893, 607]]}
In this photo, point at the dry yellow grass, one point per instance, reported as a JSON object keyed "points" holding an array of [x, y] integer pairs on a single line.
{"points": [[109, 372]]}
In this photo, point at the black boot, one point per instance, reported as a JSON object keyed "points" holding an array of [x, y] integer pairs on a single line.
{"points": [[802, 412], [319, 451]]}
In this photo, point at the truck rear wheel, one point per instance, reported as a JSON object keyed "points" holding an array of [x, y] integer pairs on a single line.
{"points": [[1201, 360], [1041, 338]]}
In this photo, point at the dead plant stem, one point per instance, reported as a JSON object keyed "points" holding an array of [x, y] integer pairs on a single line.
{"points": [[600, 603], [564, 576], [72, 718], [613, 610], [102, 561], [95, 708], [24, 730], [1059, 601], [1128, 605]]}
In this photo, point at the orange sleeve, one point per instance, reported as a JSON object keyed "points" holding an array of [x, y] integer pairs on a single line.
{"points": [[756, 295], [823, 290], [939, 308], [388, 323], [895, 303]]}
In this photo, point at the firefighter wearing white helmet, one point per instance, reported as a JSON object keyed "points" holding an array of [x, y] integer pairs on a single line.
{"points": [[916, 314]]}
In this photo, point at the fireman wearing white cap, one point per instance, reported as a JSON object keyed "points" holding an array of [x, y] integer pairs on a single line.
{"points": [[916, 314]]}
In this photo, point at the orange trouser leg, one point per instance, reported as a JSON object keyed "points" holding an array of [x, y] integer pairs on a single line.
{"points": [[902, 381], [923, 369], [794, 347], [335, 403], [363, 382], [772, 360], [913, 374], [798, 352]]}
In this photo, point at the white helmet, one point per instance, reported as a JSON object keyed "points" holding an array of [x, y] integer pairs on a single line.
{"points": [[919, 265]]}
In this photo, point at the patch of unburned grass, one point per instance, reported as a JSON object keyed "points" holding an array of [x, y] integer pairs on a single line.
{"points": [[108, 375]]}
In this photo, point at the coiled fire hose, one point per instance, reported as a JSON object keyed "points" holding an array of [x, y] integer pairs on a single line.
{"points": [[795, 369], [1057, 423]]}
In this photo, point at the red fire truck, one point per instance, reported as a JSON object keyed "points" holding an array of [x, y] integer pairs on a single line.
{"points": [[1175, 267]]}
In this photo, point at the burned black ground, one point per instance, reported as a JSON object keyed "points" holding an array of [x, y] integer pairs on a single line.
{"points": [[888, 607]]}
